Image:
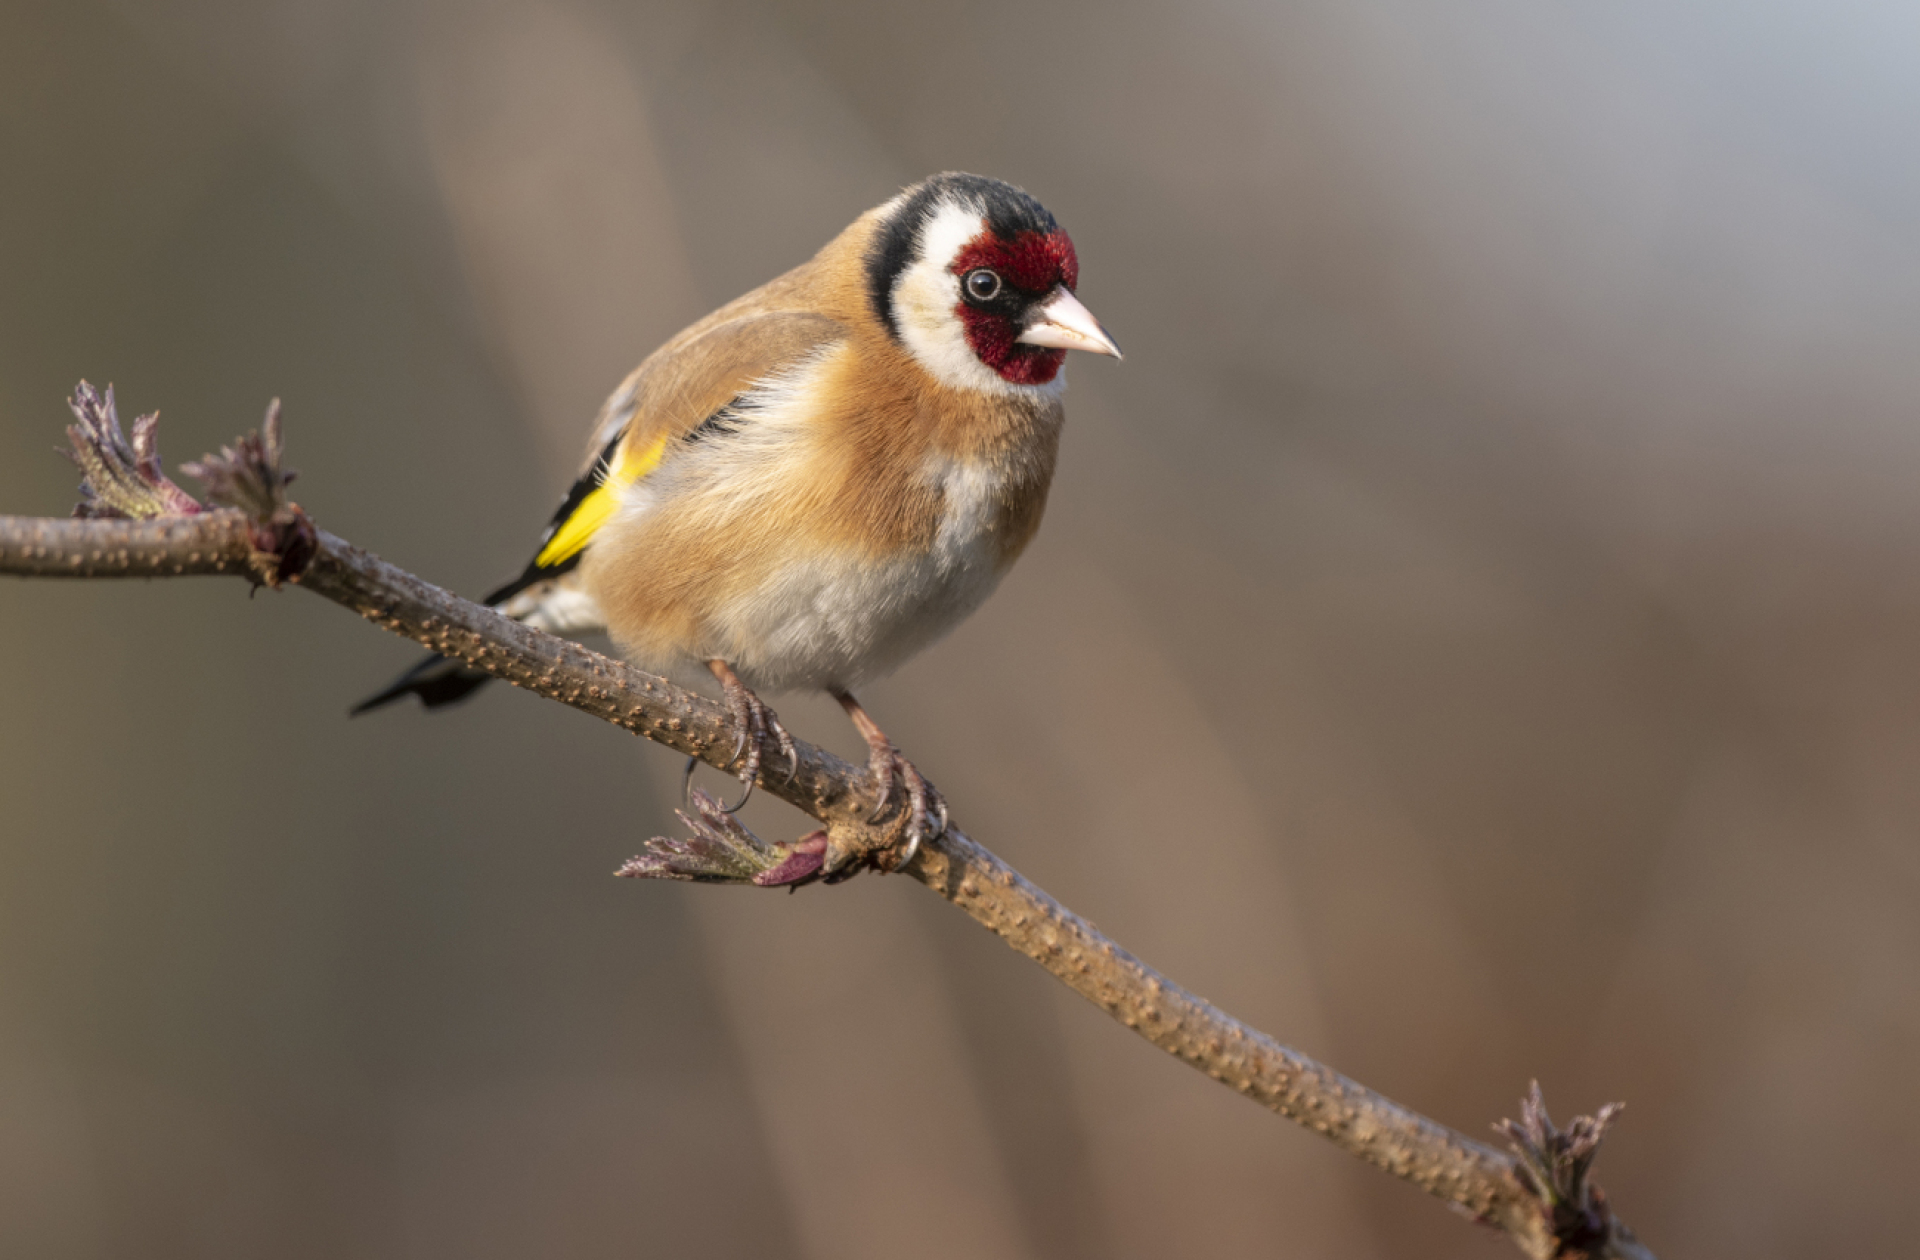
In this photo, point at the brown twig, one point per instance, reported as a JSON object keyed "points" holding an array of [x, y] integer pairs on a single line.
{"points": [[1540, 1196]]}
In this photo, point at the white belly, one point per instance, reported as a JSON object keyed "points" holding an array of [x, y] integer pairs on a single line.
{"points": [[837, 622]]}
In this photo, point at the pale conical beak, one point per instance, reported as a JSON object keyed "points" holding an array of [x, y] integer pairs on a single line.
{"points": [[1062, 323]]}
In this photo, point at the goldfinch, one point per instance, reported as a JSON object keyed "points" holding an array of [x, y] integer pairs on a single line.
{"points": [[824, 476]]}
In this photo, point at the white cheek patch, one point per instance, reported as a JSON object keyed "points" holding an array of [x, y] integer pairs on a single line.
{"points": [[925, 295], [950, 230]]}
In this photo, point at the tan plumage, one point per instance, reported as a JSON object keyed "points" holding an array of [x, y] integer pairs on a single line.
{"points": [[820, 478]]}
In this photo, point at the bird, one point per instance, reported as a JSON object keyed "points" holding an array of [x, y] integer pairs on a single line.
{"points": [[815, 482]]}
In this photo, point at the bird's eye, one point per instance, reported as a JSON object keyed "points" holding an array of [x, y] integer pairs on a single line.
{"points": [[982, 285]]}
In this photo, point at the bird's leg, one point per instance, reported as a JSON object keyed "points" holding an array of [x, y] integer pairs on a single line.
{"points": [[753, 721], [925, 806]]}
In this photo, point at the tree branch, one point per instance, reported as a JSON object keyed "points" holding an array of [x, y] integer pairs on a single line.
{"points": [[1540, 1195]]}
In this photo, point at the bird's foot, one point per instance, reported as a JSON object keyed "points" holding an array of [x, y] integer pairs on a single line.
{"points": [[925, 813], [753, 724], [924, 816]]}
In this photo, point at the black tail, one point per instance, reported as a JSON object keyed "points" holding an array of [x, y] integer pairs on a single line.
{"points": [[438, 681]]}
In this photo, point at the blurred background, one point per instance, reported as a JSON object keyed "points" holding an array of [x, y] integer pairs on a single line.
{"points": [[1475, 637]]}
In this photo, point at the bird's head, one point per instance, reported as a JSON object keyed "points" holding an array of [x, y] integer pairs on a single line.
{"points": [[976, 279]]}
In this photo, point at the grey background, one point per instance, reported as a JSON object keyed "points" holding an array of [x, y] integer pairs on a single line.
{"points": [[1473, 637]]}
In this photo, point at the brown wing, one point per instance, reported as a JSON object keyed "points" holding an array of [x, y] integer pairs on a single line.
{"points": [[711, 361], [678, 389], [700, 372]]}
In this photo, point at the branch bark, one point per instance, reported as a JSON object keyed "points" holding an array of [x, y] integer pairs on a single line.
{"points": [[1539, 1195]]}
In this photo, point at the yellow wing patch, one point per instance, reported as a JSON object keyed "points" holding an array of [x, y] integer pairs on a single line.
{"points": [[594, 510]]}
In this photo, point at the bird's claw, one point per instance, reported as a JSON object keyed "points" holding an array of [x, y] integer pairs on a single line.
{"points": [[754, 722], [925, 816]]}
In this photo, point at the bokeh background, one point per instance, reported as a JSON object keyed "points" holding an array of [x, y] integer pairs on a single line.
{"points": [[1476, 634]]}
